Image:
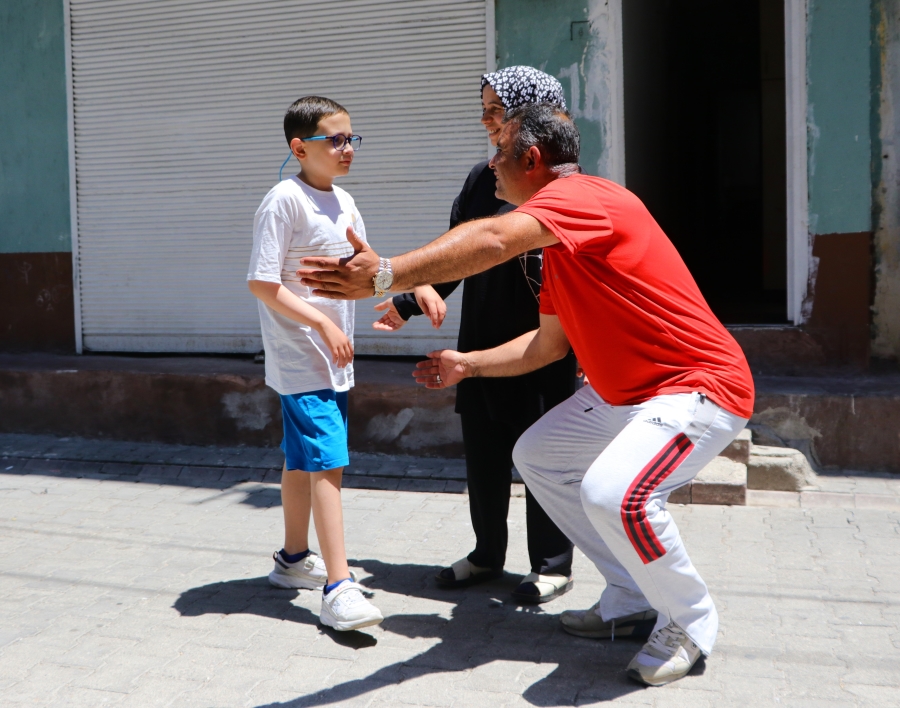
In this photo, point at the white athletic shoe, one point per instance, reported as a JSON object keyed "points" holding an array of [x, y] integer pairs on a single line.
{"points": [[667, 656], [308, 573], [345, 608]]}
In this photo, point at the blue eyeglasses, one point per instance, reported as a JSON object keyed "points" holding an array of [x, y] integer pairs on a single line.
{"points": [[339, 141]]}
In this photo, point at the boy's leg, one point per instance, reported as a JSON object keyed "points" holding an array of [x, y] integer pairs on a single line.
{"points": [[325, 488], [344, 607], [295, 503]]}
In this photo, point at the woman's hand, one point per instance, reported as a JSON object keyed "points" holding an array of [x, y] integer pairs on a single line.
{"points": [[391, 320], [432, 304], [579, 372], [443, 368], [338, 343]]}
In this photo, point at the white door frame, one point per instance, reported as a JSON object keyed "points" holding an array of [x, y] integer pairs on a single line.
{"points": [[73, 187], [617, 95], [798, 241]]}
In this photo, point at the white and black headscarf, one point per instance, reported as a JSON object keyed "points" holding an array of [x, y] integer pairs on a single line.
{"points": [[522, 85]]}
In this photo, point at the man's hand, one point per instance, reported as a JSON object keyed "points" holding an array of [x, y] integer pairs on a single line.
{"points": [[443, 368], [338, 343], [342, 278], [391, 320]]}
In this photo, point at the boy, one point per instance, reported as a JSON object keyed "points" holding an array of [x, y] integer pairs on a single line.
{"points": [[309, 352]]}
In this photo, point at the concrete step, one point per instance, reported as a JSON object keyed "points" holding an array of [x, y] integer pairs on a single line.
{"points": [[722, 481], [837, 422]]}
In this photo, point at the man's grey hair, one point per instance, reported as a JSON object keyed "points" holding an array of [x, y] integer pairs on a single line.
{"points": [[549, 128]]}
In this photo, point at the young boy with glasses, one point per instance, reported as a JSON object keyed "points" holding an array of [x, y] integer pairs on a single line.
{"points": [[309, 353]]}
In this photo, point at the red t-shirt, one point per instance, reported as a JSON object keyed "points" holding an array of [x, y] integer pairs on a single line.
{"points": [[627, 302]]}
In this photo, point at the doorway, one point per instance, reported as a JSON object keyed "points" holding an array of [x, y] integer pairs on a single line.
{"points": [[704, 93]]}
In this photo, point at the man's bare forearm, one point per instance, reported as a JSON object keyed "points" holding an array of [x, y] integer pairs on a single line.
{"points": [[470, 248], [526, 353]]}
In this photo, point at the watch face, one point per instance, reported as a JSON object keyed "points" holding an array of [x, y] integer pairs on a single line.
{"points": [[384, 280]]}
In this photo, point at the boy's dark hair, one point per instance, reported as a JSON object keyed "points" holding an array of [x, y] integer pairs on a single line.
{"points": [[548, 127], [302, 118]]}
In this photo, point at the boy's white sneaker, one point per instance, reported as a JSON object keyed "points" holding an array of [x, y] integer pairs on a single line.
{"points": [[667, 656], [346, 608], [308, 573]]}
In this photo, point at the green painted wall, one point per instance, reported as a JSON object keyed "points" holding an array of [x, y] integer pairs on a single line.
{"points": [[34, 153], [840, 111], [541, 33]]}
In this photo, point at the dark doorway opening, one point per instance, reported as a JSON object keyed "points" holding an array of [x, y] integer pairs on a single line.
{"points": [[705, 143]]}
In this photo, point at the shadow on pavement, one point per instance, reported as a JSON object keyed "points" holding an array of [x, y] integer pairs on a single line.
{"points": [[480, 630], [254, 596]]}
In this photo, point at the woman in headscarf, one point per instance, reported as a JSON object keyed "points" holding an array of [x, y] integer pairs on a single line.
{"points": [[499, 305]]}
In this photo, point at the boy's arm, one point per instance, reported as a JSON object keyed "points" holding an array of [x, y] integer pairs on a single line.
{"points": [[284, 302]]}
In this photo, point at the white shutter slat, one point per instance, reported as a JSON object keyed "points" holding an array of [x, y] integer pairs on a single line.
{"points": [[178, 110]]}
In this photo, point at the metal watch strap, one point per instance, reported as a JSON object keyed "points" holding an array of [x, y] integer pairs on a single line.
{"points": [[384, 264]]}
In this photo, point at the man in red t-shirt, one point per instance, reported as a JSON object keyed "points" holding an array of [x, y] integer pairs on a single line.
{"points": [[669, 386]]}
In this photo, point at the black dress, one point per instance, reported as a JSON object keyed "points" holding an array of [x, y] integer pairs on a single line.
{"points": [[498, 305]]}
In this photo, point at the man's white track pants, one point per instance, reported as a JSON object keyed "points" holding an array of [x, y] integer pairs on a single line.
{"points": [[603, 473]]}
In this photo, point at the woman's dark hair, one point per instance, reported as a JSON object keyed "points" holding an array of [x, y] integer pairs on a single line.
{"points": [[302, 118], [549, 128]]}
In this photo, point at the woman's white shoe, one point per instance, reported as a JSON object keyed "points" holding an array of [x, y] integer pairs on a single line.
{"points": [[537, 589]]}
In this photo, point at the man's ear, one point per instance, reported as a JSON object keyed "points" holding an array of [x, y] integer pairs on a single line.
{"points": [[298, 148], [533, 158]]}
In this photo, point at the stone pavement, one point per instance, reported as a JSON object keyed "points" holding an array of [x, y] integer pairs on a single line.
{"points": [[130, 590], [215, 465]]}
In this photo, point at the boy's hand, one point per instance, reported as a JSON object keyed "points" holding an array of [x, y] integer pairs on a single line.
{"points": [[443, 368], [338, 344], [342, 278], [391, 320], [432, 304]]}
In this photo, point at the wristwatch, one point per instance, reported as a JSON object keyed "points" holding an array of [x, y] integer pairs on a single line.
{"points": [[384, 278]]}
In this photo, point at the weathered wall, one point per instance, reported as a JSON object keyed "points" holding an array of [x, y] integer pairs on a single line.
{"points": [[36, 305], [839, 134], [886, 163], [569, 39], [839, 116], [34, 153]]}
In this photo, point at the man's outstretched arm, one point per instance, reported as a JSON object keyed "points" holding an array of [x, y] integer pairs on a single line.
{"points": [[469, 248], [528, 352]]}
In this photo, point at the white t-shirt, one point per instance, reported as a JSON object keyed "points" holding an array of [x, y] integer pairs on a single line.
{"points": [[294, 221]]}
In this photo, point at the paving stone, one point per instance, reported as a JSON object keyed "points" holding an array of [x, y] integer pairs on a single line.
{"points": [[372, 483], [807, 596], [89, 697], [767, 497]]}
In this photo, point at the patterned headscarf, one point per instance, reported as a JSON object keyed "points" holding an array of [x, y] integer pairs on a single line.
{"points": [[522, 85]]}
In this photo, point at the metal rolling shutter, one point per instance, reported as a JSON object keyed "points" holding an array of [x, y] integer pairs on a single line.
{"points": [[178, 108]]}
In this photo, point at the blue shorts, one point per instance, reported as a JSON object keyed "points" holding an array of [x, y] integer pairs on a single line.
{"points": [[315, 430]]}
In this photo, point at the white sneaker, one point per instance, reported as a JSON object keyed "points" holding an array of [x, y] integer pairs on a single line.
{"points": [[345, 608], [588, 623], [308, 573], [667, 656]]}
